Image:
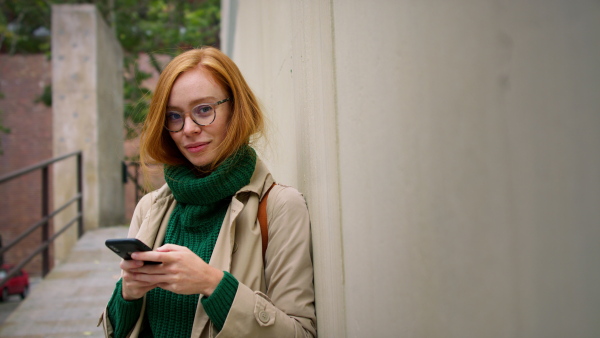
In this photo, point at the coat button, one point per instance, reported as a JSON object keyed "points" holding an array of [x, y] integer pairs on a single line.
{"points": [[264, 317]]}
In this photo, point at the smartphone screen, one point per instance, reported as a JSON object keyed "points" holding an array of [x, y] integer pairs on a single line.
{"points": [[124, 247]]}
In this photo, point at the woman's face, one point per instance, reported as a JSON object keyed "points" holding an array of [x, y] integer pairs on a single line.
{"points": [[198, 143]]}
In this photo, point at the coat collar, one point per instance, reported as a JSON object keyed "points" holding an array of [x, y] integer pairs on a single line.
{"points": [[260, 181]]}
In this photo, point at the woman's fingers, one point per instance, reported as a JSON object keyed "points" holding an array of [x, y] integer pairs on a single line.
{"points": [[167, 253], [181, 271], [153, 256], [130, 264], [134, 287], [172, 247]]}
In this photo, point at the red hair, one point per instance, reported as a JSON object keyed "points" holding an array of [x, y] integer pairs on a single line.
{"points": [[245, 119]]}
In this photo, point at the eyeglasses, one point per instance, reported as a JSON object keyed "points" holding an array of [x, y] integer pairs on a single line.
{"points": [[202, 115]]}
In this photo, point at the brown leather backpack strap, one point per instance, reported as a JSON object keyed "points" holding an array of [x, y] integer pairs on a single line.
{"points": [[262, 219]]}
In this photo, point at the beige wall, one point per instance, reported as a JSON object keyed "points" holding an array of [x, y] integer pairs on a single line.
{"points": [[294, 79], [87, 106], [449, 155]]}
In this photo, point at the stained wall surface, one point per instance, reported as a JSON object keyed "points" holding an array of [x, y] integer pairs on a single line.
{"points": [[449, 155], [87, 105]]}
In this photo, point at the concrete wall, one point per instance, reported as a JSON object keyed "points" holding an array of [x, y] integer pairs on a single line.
{"points": [[449, 155], [88, 108], [294, 78]]}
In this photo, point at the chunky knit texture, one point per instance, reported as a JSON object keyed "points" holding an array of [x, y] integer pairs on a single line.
{"points": [[122, 314], [218, 304], [195, 223]]}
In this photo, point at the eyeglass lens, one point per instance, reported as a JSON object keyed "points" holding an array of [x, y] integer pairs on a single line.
{"points": [[203, 115]]}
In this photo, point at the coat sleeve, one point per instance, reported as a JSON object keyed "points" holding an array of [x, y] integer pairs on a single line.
{"points": [[288, 307]]}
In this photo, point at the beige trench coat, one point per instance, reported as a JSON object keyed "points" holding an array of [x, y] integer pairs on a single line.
{"points": [[274, 299]]}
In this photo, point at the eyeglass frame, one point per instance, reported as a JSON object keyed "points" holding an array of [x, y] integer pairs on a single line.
{"points": [[213, 105]]}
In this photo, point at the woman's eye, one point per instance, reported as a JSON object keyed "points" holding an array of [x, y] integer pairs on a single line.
{"points": [[173, 116], [202, 110]]}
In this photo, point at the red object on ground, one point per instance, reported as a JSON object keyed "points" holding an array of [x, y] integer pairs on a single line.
{"points": [[17, 285]]}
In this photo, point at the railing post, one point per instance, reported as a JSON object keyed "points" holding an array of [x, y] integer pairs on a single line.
{"points": [[1, 254], [45, 225], [80, 191], [124, 172]]}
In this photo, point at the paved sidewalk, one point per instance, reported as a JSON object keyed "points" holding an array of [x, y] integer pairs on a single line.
{"points": [[69, 301]]}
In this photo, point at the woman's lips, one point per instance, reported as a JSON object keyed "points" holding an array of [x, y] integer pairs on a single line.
{"points": [[196, 147]]}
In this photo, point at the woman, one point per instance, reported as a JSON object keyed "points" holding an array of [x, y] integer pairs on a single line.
{"points": [[202, 224]]}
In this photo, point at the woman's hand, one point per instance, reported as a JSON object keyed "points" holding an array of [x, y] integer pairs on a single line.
{"points": [[132, 287], [181, 271]]}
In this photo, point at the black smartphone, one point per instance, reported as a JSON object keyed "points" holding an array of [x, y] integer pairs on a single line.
{"points": [[124, 247]]}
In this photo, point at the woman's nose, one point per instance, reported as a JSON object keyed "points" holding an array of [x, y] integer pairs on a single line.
{"points": [[190, 127]]}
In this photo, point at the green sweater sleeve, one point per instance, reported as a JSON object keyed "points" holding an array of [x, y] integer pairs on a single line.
{"points": [[217, 306], [123, 314]]}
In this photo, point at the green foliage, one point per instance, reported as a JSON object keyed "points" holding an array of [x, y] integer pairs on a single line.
{"points": [[137, 98], [141, 26], [167, 26], [46, 97], [24, 26]]}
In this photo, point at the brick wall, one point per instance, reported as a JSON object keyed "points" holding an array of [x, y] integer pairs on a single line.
{"points": [[22, 80]]}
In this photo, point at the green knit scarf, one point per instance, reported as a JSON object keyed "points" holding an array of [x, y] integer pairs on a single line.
{"points": [[200, 198], [195, 223]]}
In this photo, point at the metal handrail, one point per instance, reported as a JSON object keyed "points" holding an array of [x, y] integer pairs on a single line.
{"points": [[46, 215], [31, 168]]}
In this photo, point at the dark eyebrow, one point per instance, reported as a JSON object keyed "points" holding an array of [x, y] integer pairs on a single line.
{"points": [[206, 99]]}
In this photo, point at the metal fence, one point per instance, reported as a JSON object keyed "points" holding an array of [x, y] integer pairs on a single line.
{"points": [[47, 238]]}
